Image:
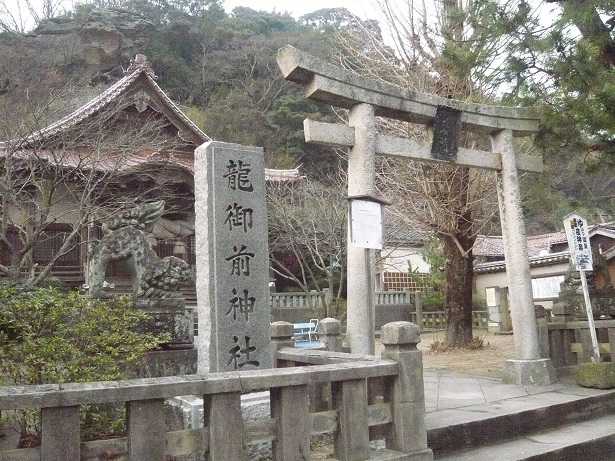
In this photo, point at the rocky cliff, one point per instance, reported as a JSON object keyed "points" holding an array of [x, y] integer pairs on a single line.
{"points": [[97, 42]]}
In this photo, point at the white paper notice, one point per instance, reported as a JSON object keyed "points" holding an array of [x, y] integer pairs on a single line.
{"points": [[490, 295], [366, 224]]}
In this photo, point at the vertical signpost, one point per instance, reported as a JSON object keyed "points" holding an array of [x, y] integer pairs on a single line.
{"points": [[581, 254]]}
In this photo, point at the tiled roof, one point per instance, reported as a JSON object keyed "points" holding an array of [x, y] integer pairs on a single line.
{"points": [[401, 232], [139, 67], [536, 245], [535, 261]]}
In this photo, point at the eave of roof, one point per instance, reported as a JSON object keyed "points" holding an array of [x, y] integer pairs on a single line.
{"points": [[272, 174], [606, 230], [133, 161], [535, 261]]}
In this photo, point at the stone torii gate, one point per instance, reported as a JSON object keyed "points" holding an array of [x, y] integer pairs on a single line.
{"points": [[365, 99]]}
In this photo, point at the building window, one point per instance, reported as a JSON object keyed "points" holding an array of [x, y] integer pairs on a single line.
{"points": [[50, 243], [47, 246], [400, 281]]}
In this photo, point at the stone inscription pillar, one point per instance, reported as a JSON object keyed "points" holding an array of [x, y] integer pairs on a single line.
{"points": [[232, 258], [528, 368], [361, 181]]}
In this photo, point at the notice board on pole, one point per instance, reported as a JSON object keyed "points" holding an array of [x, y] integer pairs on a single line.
{"points": [[365, 222], [577, 234]]}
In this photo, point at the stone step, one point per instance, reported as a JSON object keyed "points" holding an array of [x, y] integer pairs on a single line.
{"points": [[586, 440], [457, 429]]}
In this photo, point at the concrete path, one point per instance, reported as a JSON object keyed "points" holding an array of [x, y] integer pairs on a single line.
{"points": [[532, 418], [448, 393], [445, 390]]}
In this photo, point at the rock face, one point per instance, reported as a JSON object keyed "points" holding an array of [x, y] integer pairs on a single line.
{"points": [[106, 36]]}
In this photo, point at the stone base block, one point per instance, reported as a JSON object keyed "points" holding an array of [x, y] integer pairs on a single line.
{"points": [[538, 372], [597, 375]]}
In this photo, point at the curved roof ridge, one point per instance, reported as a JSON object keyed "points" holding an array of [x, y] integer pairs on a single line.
{"points": [[176, 109], [138, 66]]}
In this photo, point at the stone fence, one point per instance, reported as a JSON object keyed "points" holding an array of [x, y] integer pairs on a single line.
{"points": [[370, 397], [390, 306], [566, 339], [569, 343], [297, 307]]}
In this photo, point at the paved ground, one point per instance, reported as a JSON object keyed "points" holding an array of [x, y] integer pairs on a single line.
{"points": [[466, 377], [446, 390], [457, 400], [463, 385]]}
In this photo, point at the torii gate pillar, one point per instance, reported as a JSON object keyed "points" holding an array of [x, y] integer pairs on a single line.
{"points": [[366, 99], [360, 275], [528, 367]]}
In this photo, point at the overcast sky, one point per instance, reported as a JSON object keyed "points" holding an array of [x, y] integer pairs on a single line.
{"points": [[362, 8]]}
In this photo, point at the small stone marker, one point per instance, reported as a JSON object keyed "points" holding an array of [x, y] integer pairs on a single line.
{"points": [[232, 258]]}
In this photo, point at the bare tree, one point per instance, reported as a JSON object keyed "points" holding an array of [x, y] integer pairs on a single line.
{"points": [[431, 43], [307, 229], [21, 16]]}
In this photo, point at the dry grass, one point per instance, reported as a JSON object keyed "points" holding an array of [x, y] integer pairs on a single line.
{"points": [[441, 346]]}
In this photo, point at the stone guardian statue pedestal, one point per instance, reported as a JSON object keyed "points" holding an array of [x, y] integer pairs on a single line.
{"points": [[155, 288]]}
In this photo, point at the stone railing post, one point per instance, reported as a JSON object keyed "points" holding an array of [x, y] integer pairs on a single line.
{"points": [[407, 395], [562, 311], [330, 334], [281, 336], [543, 331], [60, 439], [561, 338], [418, 305]]}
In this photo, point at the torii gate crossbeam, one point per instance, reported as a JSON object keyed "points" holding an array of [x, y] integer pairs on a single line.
{"points": [[366, 99]]}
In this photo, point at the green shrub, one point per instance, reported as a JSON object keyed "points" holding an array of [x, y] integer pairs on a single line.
{"points": [[52, 336], [434, 281], [479, 303], [432, 300]]}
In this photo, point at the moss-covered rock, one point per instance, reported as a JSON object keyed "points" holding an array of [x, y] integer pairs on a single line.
{"points": [[597, 375]]}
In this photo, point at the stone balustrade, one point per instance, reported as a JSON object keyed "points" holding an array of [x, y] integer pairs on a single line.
{"points": [[569, 343], [394, 409]]}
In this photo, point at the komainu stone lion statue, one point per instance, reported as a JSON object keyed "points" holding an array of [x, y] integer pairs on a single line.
{"points": [[124, 238]]}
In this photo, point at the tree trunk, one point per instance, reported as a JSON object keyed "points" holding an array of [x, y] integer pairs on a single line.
{"points": [[458, 300], [458, 270]]}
